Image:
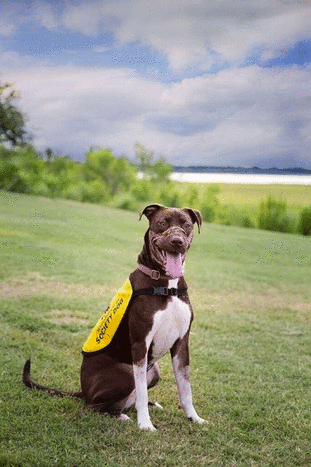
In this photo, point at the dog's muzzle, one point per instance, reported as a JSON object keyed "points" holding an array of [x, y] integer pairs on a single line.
{"points": [[169, 249]]}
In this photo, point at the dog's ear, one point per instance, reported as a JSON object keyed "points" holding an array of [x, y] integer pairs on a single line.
{"points": [[150, 210], [196, 216]]}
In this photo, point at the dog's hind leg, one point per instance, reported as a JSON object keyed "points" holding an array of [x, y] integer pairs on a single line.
{"points": [[153, 376], [107, 384], [124, 417], [128, 403]]}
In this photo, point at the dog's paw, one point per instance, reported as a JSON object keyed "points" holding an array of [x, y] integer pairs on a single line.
{"points": [[197, 419], [124, 417], [147, 426], [201, 420], [155, 404]]}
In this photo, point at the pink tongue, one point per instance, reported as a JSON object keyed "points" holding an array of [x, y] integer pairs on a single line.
{"points": [[174, 265]]}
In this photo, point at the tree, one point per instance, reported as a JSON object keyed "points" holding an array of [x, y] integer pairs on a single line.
{"points": [[49, 154], [12, 122], [144, 156], [162, 170], [156, 170], [115, 172]]}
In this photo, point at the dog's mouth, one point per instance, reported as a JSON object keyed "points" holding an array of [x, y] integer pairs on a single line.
{"points": [[169, 252], [173, 264]]}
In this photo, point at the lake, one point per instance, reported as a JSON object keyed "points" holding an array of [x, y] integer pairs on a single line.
{"points": [[261, 179]]}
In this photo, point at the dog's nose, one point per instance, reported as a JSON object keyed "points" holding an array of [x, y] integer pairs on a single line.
{"points": [[176, 241]]}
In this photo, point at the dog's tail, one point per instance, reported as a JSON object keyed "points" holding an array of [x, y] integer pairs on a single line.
{"points": [[28, 381]]}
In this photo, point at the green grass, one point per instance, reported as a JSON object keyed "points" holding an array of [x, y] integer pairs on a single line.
{"points": [[238, 194], [250, 342], [240, 204]]}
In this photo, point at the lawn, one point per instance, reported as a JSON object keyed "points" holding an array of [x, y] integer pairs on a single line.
{"points": [[243, 194], [60, 262]]}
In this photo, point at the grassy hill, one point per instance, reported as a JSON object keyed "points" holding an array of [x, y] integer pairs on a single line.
{"points": [[250, 342]]}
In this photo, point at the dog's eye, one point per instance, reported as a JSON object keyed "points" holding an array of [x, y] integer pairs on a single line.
{"points": [[187, 225]]}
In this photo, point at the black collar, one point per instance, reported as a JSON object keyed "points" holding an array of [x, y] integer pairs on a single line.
{"points": [[161, 291]]}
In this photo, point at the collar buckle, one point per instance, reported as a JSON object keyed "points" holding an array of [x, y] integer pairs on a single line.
{"points": [[155, 274], [163, 291]]}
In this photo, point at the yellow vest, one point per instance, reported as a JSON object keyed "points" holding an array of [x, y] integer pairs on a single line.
{"points": [[106, 327]]}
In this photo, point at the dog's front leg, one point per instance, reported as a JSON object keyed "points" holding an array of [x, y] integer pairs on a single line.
{"points": [[140, 376], [140, 343], [180, 361]]}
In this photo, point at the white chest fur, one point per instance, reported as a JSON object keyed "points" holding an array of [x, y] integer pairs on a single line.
{"points": [[169, 325]]}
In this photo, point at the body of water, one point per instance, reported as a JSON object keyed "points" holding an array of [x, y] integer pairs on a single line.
{"points": [[262, 179]]}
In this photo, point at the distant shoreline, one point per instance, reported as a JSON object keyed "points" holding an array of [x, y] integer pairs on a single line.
{"points": [[241, 170], [242, 178]]}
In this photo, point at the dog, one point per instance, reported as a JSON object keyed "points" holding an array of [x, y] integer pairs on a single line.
{"points": [[157, 320]]}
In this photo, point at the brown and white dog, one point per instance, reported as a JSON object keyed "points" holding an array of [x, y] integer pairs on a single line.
{"points": [[157, 320]]}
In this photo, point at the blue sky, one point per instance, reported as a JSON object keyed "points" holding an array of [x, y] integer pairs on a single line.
{"points": [[209, 82]]}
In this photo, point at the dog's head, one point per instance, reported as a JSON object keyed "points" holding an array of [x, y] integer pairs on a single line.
{"points": [[169, 236]]}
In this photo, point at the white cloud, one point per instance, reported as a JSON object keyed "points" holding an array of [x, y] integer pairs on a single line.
{"points": [[46, 14], [92, 18], [12, 63], [6, 28], [100, 49], [196, 31], [12, 15], [72, 108], [240, 116], [188, 32], [251, 113]]}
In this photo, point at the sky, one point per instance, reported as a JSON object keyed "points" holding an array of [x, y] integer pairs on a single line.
{"points": [[199, 82]]}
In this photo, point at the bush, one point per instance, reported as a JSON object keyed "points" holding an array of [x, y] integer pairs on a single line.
{"points": [[210, 203], [10, 179], [95, 192], [19, 169], [191, 197], [304, 224], [125, 201], [40, 189], [116, 173], [142, 190], [170, 196], [208, 213], [74, 191], [273, 216], [288, 223], [59, 173], [230, 215]]}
